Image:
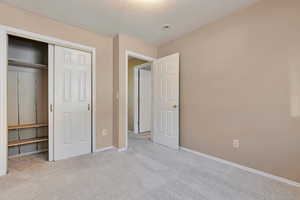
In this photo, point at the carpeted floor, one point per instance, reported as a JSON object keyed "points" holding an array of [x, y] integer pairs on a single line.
{"points": [[145, 172]]}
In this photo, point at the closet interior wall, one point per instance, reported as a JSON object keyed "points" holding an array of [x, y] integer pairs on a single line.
{"points": [[27, 94]]}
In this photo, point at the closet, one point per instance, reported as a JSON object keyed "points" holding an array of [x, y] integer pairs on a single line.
{"points": [[45, 99], [27, 96]]}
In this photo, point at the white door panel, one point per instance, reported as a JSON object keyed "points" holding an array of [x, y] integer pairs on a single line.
{"points": [[145, 100], [72, 114], [166, 101]]}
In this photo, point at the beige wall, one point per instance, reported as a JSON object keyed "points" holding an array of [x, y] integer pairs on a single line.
{"points": [[21, 19], [123, 43], [132, 62], [115, 91], [235, 84]]}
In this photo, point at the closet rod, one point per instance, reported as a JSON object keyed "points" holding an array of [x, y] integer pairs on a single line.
{"points": [[18, 63]]}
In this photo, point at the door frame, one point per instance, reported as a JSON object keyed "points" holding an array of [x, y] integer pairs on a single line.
{"points": [[136, 129], [128, 54], [4, 32]]}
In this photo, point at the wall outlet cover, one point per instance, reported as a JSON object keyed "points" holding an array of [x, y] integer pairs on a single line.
{"points": [[104, 132], [236, 144]]}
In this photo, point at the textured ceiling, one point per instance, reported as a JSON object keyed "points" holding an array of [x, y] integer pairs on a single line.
{"points": [[139, 18]]}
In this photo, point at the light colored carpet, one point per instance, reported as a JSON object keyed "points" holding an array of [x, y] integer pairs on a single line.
{"points": [[146, 172]]}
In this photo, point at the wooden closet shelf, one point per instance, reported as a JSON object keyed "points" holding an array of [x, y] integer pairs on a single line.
{"points": [[24, 126], [19, 63], [27, 141]]}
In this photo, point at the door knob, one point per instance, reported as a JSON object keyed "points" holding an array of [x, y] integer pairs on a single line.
{"points": [[174, 106]]}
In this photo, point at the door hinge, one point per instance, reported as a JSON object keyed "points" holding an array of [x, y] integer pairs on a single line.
{"points": [[51, 108], [89, 107]]}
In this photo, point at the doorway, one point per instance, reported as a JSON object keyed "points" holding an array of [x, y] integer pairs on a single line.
{"points": [[139, 99], [164, 97]]}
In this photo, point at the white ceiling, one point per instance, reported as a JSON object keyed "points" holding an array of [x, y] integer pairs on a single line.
{"points": [[140, 18]]}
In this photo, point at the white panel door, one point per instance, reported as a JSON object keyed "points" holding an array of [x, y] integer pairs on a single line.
{"points": [[145, 95], [165, 76], [72, 112]]}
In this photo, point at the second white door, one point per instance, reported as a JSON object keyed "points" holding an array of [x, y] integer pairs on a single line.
{"points": [[72, 112], [145, 97]]}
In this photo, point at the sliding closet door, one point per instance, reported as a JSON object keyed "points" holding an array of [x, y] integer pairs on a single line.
{"points": [[72, 112]]}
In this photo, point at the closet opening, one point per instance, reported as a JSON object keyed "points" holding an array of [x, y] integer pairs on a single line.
{"points": [[27, 101]]}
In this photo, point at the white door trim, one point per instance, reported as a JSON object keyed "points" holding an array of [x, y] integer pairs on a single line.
{"points": [[4, 31], [125, 115], [46, 39], [3, 102], [51, 102], [136, 100], [94, 95]]}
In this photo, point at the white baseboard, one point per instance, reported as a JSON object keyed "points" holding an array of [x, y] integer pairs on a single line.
{"points": [[255, 171], [104, 149], [2, 173], [122, 149], [132, 132], [109, 148]]}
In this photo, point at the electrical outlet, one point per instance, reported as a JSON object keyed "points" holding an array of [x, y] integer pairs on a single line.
{"points": [[104, 132], [236, 144]]}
